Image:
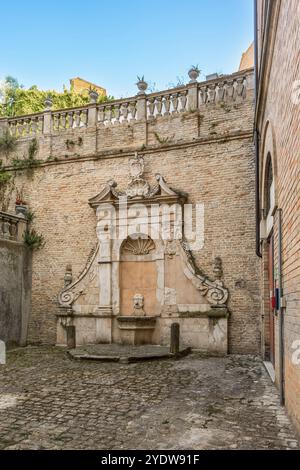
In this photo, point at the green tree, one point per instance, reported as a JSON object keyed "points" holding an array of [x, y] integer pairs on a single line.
{"points": [[15, 100]]}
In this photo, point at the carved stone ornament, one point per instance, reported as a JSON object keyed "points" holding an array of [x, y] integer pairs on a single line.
{"points": [[139, 246], [70, 293], [138, 187], [137, 166], [171, 249], [138, 305], [214, 291]]}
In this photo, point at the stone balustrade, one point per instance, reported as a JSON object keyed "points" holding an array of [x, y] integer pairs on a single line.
{"points": [[117, 111], [222, 91], [140, 107], [166, 103], [26, 126], [11, 227], [69, 119]]}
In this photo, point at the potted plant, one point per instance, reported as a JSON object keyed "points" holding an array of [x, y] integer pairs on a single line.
{"points": [[21, 205], [142, 85], [194, 73]]}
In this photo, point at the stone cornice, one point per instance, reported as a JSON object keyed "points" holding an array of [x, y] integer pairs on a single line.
{"points": [[116, 153]]}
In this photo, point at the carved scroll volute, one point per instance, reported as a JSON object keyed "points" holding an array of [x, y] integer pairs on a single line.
{"points": [[217, 294], [214, 291]]}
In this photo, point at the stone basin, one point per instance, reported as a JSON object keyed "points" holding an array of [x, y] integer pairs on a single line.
{"points": [[136, 330]]}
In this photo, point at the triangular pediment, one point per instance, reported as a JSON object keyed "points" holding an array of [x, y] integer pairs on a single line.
{"points": [[138, 189]]}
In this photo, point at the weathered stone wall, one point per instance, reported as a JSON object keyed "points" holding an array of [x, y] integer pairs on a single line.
{"points": [[279, 117], [207, 152], [15, 286]]}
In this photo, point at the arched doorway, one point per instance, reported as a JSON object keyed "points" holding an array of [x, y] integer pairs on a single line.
{"points": [[269, 202]]}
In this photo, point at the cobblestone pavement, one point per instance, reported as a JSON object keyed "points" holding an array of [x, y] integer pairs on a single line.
{"points": [[49, 401]]}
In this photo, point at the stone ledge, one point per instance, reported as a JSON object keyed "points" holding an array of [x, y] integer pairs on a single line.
{"points": [[125, 354], [217, 312]]}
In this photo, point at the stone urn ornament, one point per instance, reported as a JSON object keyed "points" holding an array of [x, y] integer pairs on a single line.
{"points": [[48, 103], [93, 94], [142, 85], [194, 73], [20, 205], [21, 209]]}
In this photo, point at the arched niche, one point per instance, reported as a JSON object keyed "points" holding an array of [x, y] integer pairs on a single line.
{"points": [[139, 274]]}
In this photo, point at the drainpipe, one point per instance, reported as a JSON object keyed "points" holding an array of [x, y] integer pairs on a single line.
{"points": [[256, 139], [281, 311]]}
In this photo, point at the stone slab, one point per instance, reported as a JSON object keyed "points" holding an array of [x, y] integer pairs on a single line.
{"points": [[125, 353]]}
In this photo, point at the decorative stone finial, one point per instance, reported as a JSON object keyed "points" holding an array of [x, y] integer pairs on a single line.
{"points": [[48, 103], [217, 268], [93, 94], [68, 278], [138, 305]]}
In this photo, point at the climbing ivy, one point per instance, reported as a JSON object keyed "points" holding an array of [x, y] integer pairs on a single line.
{"points": [[15, 100]]}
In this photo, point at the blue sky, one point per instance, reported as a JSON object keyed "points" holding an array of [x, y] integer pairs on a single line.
{"points": [[46, 42]]}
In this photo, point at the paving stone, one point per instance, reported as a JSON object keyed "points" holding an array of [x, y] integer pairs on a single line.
{"points": [[49, 401]]}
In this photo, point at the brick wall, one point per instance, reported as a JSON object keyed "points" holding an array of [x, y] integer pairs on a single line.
{"points": [[282, 139], [207, 153]]}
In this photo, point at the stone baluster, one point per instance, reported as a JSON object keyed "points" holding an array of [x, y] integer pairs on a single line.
{"points": [[183, 101], [151, 108], [6, 229], [158, 106], [14, 229], [77, 118], [249, 83], [240, 87], [84, 117], [40, 124], [220, 92], [55, 122], [20, 128], [132, 109], [174, 100], [101, 114], [117, 113], [229, 90], [167, 105], [13, 128], [211, 93], [124, 111], [108, 114], [35, 125], [70, 120], [63, 120], [27, 123], [203, 95]]}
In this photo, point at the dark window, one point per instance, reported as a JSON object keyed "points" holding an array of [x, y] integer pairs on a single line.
{"points": [[269, 181]]}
